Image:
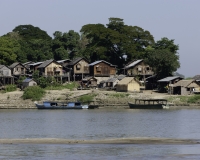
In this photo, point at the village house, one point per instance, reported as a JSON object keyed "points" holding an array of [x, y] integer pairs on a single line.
{"points": [[18, 69], [138, 68], [28, 82], [111, 82], [166, 84], [51, 68], [89, 82], [128, 84], [186, 87], [5, 76], [79, 68]]}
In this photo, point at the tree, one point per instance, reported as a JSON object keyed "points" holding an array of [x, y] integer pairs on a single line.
{"points": [[163, 57], [9, 49], [28, 32], [65, 44], [111, 43]]}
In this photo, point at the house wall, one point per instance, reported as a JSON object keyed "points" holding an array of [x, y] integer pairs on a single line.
{"points": [[53, 69], [140, 69], [31, 83], [102, 69], [82, 67], [133, 86], [19, 70], [184, 91], [4, 71]]}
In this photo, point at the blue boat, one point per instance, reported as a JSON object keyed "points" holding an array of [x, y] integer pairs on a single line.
{"points": [[60, 105]]}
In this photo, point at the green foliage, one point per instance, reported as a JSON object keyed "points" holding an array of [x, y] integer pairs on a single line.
{"points": [[34, 93], [194, 99], [9, 49], [44, 82], [10, 88], [71, 85], [117, 39], [163, 57], [86, 98], [65, 44], [20, 80], [28, 32], [119, 95]]}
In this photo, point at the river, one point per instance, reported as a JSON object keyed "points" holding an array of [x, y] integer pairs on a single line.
{"points": [[99, 124]]}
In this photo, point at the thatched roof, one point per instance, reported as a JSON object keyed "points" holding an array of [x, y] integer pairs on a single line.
{"points": [[127, 80], [186, 83]]}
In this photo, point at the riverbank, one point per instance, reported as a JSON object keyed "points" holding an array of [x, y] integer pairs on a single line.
{"points": [[105, 99]]}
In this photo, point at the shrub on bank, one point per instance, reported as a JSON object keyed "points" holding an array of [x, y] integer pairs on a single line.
{"points": [[34, 93], [10, 88], [86, 98]]}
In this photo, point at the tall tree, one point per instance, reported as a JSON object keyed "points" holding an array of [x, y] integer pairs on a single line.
{"points": [[111, 43], [9, 49], [163, 57], [65, 44]]}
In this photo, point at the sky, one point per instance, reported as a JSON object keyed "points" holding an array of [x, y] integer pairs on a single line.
{"points": [[174, 19]]}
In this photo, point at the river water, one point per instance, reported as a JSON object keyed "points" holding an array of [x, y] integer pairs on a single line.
{"points": [[99, 124]]}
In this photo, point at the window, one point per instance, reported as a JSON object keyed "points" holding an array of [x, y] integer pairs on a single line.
{"points": [[78, 66]]}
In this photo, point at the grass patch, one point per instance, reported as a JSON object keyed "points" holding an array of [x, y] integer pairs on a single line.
{"points": [[10, 88], [194, 99], [86, 98], [119, 95], [34, 93], [70, 86]]}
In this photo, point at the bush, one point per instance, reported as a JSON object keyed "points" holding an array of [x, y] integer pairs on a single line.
{"points": [[86, 98], [10, 88], [34, 93]]}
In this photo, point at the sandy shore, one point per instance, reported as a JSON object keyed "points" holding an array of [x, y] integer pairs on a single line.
{"points": [[102, 141], [105, 99]]}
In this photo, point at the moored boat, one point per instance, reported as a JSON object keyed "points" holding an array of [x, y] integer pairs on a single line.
{"points": [[60, 105], [148, 104]]}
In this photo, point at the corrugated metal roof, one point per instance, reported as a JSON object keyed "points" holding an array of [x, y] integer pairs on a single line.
{"points": [[168, 79], [96, 62], [45, 63], [27, 80], [133, 63], [35, 64], [76, 60], [61, 61], [14, 65], [112, 80]]}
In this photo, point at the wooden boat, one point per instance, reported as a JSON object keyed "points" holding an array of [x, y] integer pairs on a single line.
{"points": [[60, 105], [148, 104]]}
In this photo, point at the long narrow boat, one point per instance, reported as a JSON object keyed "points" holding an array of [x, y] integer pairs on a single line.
{"points": [[148, 104], [60, 105]]}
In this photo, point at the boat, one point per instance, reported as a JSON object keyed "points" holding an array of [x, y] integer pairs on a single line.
{"points": [[149, 104], [60, 105]]}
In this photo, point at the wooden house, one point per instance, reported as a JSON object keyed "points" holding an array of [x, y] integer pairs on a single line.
{"points": [[28, 82], [186, 87], [166, 84], [102, 69], [18, 69], [128, 84], [50, 68], [79, 68], [89, 82], [111, 82], [138, 68], [5, 76]]}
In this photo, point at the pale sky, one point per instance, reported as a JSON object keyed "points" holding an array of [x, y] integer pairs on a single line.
{"points": [[174, 19]]}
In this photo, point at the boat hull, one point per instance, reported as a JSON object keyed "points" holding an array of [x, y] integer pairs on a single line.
{"points": [[145, 106], [54, 105]]}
